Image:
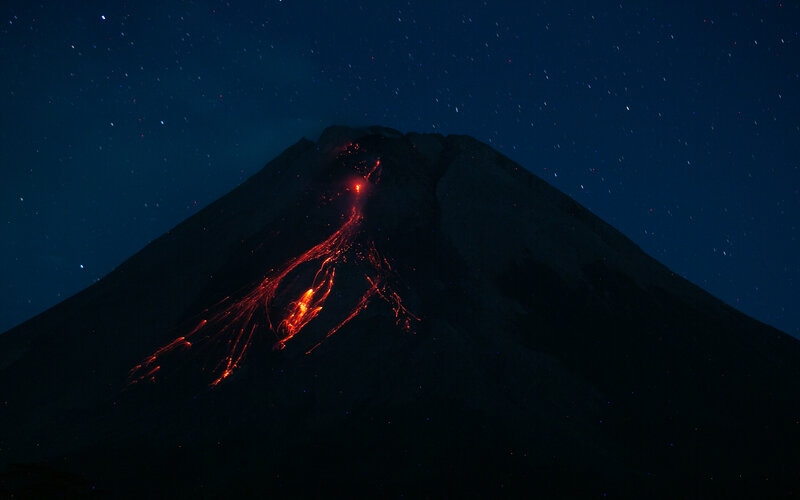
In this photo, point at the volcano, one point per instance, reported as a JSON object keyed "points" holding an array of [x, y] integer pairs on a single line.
{"points": [[390, 314]]}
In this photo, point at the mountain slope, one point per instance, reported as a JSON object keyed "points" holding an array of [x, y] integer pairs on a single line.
{"points": [[397, 314]]}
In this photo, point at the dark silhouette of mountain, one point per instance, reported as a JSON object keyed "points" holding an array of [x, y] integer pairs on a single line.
{"points": [[396, 315]]}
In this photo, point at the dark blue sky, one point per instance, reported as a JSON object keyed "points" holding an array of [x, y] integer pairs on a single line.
{"points": [[678, 123]]}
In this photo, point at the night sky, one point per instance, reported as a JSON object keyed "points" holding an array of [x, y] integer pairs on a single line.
{"points": [[678, 123]]}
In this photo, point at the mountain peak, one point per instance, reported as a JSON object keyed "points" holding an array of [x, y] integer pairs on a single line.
{"points": [[393, 313]]}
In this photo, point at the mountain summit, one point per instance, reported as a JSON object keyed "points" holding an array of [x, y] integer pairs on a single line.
{"points": [[396, 314]]}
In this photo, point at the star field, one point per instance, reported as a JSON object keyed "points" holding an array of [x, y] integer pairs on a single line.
{"points": [[680, 126]]}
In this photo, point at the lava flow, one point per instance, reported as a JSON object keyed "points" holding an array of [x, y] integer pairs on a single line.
{"points": [[236, 325]]}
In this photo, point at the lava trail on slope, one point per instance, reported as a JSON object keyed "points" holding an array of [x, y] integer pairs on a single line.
{"points": [[291, 296]]}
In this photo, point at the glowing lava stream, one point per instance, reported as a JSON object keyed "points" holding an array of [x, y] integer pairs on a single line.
{"points": [[236, 325]]}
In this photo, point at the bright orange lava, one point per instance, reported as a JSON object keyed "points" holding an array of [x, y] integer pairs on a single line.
{"points": [[236, 325]]}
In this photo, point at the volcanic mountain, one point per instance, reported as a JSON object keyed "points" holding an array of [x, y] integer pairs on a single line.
{"points": [[396, 315]]}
